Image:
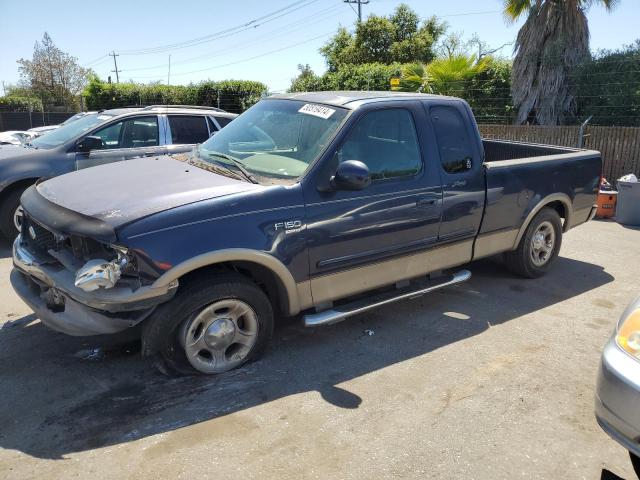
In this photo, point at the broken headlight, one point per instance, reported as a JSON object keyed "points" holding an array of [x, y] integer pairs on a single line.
{"points": [[99, 273]]}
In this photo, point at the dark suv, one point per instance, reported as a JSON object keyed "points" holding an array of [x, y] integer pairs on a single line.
{"points": [[98, 138]]}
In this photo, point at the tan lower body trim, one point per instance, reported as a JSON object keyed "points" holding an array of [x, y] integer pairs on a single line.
{"points": [[305, 299], [350, 282], [579, 217], [495, 242]]}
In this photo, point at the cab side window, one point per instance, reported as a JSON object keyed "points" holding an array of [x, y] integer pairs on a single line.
{"points": [[186, 129], [453, 140], [130, 133], [387, 142], [223, 121]]}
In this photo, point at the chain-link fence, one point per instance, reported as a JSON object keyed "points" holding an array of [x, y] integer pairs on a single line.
{"points": [[27, 120]]}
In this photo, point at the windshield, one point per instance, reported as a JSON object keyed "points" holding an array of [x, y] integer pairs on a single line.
{"points": [[73, 118], [69, 131], [274, 139]]}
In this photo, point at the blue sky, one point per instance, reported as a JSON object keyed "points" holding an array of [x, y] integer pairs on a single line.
{"points": [[268, 51]]}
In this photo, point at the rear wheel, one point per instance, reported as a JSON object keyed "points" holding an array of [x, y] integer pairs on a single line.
{"points": [[538, 247], [11, 214], [211, 327]]}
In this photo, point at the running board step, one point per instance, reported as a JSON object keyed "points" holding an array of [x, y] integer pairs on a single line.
{"points": [[417, 289]]}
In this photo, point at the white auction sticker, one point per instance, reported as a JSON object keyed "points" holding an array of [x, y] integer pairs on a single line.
{"points": [[317, 110]]}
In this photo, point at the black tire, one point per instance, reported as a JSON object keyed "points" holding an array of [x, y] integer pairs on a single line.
{"points": [[160, 333], [8, 207], [520, 260], [635, 462]]}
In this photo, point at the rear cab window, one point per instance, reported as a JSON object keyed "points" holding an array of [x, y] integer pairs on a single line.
{"points": [[188, 129], [454, 144]]}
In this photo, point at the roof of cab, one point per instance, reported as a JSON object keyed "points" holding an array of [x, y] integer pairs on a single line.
{"points": [[345, 98], [181, 109]]}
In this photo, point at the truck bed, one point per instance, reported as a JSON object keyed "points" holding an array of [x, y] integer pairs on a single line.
{"points": [[499, 150], [521, 176]]}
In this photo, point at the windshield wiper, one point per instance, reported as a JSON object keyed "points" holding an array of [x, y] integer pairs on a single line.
{"points": [[216, 167], [241, 168]]}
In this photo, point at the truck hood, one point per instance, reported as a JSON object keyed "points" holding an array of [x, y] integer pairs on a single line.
{"points": [[15, 152], [121, 192]]}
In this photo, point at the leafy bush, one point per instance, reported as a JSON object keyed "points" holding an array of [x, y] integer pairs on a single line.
{"points": [[608, 87], [20, 104], [489, 92], [367, 76], [231, 95]]}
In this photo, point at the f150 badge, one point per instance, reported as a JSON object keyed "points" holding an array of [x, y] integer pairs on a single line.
{"points": [[289, 226]]}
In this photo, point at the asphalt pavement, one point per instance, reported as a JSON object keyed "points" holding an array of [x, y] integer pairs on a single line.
{"points": [[490, 379]]}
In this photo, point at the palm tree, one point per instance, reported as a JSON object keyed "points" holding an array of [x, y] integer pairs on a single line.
{"points": [[446, 76], [552, 41]]}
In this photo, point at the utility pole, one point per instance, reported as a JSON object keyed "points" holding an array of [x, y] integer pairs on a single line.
{"points": [[360, 3], [4, 90], [115, 64], [169, 72]]}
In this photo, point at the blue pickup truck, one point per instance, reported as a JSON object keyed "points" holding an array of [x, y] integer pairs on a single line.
{"points": [[321, 204]]}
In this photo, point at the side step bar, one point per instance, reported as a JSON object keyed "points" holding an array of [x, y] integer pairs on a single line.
{"points": [[339, 313]]}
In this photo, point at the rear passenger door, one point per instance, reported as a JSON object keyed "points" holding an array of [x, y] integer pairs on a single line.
{"points": [[185, 131], [461, 171], [131, 137]]}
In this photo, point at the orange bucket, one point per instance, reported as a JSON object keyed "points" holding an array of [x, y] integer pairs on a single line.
{"points": [[606, 204]]}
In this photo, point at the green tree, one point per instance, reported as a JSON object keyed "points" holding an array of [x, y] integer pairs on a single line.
{"points": [[552, 41], [445, 76], [306, 81], [52, 75], [401, 37]]}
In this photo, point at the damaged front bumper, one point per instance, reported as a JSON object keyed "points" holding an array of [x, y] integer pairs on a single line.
{"points": [[50, 291]]}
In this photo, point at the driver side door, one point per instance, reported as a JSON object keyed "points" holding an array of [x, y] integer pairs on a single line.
{"points": [[132, 137], [363, 239]]}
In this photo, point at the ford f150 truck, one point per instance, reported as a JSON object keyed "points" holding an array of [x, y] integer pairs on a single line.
{"points": [[326, 204]]}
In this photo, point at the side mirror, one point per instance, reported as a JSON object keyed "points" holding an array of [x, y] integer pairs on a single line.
{"points": [[89, 143], [351, 175]]}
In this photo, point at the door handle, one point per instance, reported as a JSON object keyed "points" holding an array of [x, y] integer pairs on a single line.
{"points": [[425, 202]]}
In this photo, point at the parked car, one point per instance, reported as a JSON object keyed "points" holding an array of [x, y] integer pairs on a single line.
{"points": [[97, 138], [47, 128], [16, 137], [328, 203], [43, 129], [618, 384]]}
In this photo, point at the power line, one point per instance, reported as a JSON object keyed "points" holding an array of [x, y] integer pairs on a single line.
{"points": [[282, 31], [255, 57], [256, 22], [359, 3]]}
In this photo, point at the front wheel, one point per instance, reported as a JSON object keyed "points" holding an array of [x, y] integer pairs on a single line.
{"points": [[210, 326], [538, 247], [11, 214]]}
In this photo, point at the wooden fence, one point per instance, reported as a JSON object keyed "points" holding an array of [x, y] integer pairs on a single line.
{"points": [[620, 146]]}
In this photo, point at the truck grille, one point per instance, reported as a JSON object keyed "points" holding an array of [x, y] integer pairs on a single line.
{"points": [[36, 236]]}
